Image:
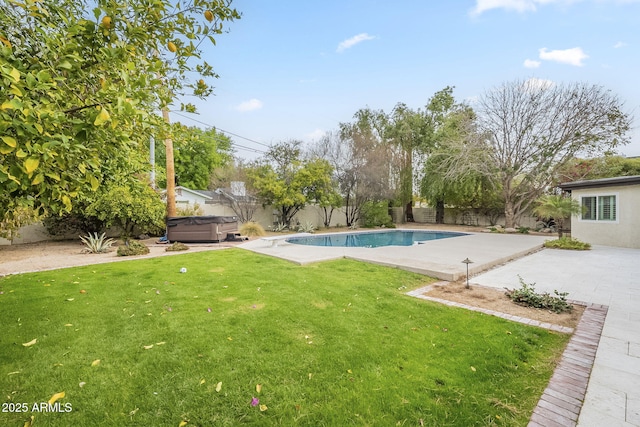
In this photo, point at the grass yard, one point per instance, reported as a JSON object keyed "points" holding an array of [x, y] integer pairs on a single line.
{"points": [[245, 339]]}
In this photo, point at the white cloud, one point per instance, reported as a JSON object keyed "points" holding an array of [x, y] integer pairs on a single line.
{"points": [[619, 45], [573, 56], [522, 6], [530, 63], [250, 105], [535, 83], [359, 38], [315, 135]]}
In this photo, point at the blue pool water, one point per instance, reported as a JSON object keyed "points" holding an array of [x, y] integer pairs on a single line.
{"points": [[374, 239]]}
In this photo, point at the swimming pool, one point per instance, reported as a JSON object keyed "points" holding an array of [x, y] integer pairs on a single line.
{"points": [[374, 239]]}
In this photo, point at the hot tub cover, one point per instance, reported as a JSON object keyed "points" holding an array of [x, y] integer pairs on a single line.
{"points": [[200, 220]]}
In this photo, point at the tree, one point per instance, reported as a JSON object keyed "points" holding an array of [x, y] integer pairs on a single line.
{"points": [[558, 208], [365, 173], [448, 123], [198, 153], [287, 182], [526, 131], [407, 131], [608, 166], [234, 184], [82, 80], [132, 206]]}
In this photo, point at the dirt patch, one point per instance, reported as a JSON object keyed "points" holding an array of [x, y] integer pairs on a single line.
{"points": [[495, 299], [52, 255]]}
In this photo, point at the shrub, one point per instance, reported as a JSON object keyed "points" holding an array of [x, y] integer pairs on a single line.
{"points": [[251, 229], [189, 210], [567, 243], [176, 246], [523, 230], [376, 214], [132, 247], [97, 244], [527, 297], [307, 227]]}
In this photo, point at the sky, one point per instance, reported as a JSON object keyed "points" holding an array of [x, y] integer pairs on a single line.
{"points": [[294, 69]]}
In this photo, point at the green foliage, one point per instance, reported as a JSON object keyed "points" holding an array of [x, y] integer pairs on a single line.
{"points": [[380, 349], [176, 246], [82, 82], [307, 227], [288, 183], [21, 216], [376, 214], [131, 248], [523, 230], [190, 210], [608, 166], [252, 229], [132, 206], [527, 297], [72, 223], [557, 207], [567, 243], [97, 244], [197, 154]]}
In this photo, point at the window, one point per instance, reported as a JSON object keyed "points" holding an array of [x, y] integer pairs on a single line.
{"points": [[599, 208]]}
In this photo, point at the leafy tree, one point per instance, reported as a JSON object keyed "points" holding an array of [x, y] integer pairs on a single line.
{"points": [[287, 182], [407, 131], [364, 173], [81, 81], [197, 154], [558, 208], [448, 124], [527, 131], [608, 166], [132, 206]]}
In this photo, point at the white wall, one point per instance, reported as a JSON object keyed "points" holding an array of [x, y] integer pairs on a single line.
{"points": [[624, 232]]}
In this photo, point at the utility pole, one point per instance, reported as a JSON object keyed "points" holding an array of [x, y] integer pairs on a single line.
{"points": [[171, 171]]}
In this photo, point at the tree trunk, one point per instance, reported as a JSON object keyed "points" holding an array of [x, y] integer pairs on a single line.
{"points": [[509, 216], [171, 171], [409, 212], [440, 212]]}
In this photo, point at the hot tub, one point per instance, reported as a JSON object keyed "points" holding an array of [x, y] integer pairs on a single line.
{"points": [[201, 229]]}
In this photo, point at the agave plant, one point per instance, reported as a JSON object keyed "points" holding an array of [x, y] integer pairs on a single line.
{"points": [[97, 244], [307, 227]]}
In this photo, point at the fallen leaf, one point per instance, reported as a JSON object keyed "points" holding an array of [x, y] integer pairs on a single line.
{"points": [[263, 408], [230, 339], [55, 397], [310, 375], [473, 369], [81, 384], [47, 284], [30, 343], [182, 423], [29, 421], [95, 362], [82, 291], [70, 299], [148, 347], [161, 343], [258, 388], [68, 324], [219, 387], [202, 381], [13, 373], [349, 371]]}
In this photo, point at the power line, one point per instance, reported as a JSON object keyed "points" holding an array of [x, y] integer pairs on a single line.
{"points": [[255, 150]]}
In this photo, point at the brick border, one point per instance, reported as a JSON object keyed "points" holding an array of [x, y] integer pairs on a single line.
{"points": [[561, 402]]}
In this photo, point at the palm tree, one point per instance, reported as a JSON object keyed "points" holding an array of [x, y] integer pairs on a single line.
{"points": [[558, 208]]}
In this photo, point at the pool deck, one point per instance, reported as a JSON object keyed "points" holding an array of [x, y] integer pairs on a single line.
{"points": [[437, 258]]}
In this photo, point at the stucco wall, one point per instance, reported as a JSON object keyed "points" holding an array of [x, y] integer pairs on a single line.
{"points": [[624, 232]]}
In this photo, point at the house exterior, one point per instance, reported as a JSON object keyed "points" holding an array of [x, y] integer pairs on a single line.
{"points": [[611, 211]]}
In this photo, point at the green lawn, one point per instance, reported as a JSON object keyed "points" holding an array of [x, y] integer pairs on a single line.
{"points": [[331, 344]]}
